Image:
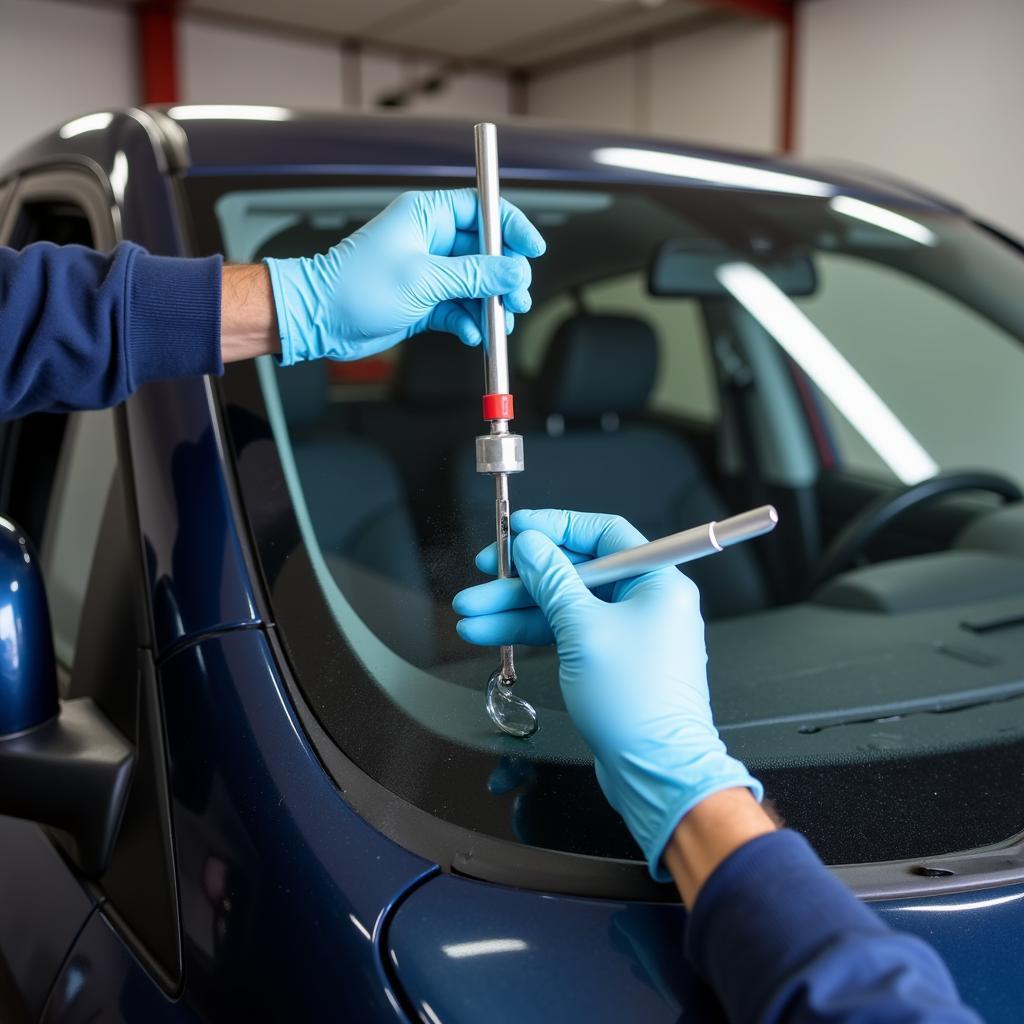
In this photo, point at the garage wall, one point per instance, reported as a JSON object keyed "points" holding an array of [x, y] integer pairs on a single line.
{"points": [[61, 59], [924, 89], [58, 60], [717, 85], [222, 63], [241, 64], [927, 89]]}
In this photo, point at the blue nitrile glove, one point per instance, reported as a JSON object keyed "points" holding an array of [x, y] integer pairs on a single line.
{"points": [[412, 268], [633, 669]]}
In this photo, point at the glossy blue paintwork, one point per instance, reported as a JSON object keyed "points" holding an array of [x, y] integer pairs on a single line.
{"points": [[292, 907], [398, 144], [42, 909], [197, 574], [102, 981], [462, 948], [28, 679], [980, 935], [393, 144], [283, 885]]}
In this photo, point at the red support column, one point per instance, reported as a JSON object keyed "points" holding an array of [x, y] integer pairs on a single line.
{"points": [[158, 51], [787, 113]]}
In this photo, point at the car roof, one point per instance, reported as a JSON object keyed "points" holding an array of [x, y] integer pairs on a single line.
{"points": [[238, 139]]}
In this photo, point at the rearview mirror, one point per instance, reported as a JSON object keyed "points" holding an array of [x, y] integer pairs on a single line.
{"points": [[687, 268]]}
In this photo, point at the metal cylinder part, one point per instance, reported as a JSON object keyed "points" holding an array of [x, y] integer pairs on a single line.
{"points": [[485, 137], [499, 453], [675, 549], [689, 545], [746, 525]]}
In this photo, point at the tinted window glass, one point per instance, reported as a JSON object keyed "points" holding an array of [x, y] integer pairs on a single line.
{"points": [[84, 474], [60, 222]]}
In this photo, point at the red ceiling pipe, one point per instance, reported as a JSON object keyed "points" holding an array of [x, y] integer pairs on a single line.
{"points": [[158, 51], [777, 10]]}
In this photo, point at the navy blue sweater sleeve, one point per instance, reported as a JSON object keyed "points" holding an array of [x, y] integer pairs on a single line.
{"points": [[780, 939], [82, 330]]}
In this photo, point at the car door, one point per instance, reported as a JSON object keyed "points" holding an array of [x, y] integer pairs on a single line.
{"points": [[64, 481]]}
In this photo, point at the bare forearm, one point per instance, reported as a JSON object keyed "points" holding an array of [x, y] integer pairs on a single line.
{"points": [[248, 323], [716, 827]]}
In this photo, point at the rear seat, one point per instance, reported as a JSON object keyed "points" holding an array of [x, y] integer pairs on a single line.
{"points": [[361, 518], [596, 455]]}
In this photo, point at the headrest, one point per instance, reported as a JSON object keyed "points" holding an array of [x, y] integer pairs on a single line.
{"points": [[598, 363], [304, 393], [436, 369]]}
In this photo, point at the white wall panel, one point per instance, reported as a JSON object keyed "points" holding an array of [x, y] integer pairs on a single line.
{"points": [[379, 74], [719, 86], [228, 64], [926, 89], [600, 92], [478, 94], [59, 60]]}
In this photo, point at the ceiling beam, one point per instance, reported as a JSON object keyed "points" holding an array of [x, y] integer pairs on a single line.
{"points": [[686, 25]]}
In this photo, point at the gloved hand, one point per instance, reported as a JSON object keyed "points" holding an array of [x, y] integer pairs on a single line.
{"points": [[410, 269], [632, 672]]}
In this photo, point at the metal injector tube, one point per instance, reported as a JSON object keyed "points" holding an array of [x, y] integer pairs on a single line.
{"points": [[499, 452]]}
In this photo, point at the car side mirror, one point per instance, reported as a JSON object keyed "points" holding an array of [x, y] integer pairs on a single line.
{"points": [[62, 764]]}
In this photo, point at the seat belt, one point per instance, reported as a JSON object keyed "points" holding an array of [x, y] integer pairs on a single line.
{"points": [[742, 387], [739, 380]]}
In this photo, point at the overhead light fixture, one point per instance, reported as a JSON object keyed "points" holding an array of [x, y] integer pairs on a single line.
{"points": [[883, 218], [719, 172], [844, 387], [228, 112], [88, 123]]}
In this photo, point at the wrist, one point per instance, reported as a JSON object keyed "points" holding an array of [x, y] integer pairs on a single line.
{"points": [[248, 322], [684, 775], [708, 833]]}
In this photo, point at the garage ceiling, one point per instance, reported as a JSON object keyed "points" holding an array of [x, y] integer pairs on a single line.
{"points": [[512, 33]]}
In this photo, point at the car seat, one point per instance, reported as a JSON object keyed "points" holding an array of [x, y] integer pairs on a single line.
{"points": [[598, 454]]}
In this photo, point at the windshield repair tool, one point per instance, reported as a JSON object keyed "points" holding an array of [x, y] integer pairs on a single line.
{"points": [[499, 452], [675, 549]]}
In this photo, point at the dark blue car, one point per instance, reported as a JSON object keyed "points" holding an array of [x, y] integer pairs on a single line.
{"points": [[272, 792]]}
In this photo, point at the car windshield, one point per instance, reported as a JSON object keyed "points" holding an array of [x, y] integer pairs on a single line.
{"points": [[691, 352]]}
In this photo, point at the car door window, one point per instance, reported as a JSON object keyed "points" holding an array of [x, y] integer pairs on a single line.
{"points": [[61, 466], [85, 471]]}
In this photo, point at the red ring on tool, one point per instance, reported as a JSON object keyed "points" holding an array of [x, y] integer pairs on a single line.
{"points": [[499, 407]]}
